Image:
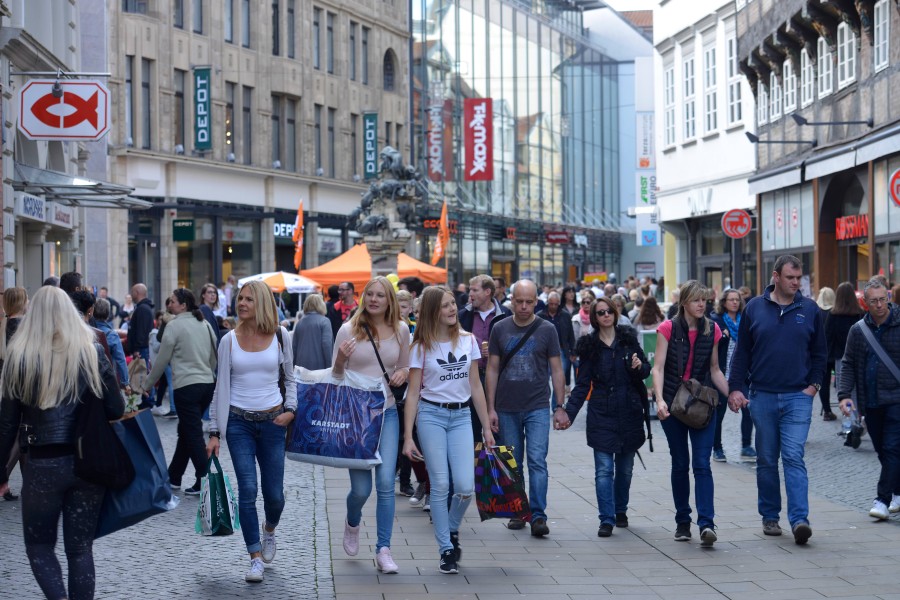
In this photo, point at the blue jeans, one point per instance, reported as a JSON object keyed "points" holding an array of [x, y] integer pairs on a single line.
{"points": [[612, 477], [697, 458], [883, 425], [782, 426], [529, 435], [361, 483], [249, 443], [447, 444]]}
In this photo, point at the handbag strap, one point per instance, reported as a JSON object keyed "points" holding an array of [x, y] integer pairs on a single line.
{"points": [[879, 350], [518, 346], [377, 355]]}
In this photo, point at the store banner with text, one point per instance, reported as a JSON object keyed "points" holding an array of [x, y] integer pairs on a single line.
{"points": [[202, 109], [440, 140], [370, 145], [478, 136]]}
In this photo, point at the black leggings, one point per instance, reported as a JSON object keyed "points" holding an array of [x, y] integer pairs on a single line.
{"points": [[50, 488], [825, 392]]}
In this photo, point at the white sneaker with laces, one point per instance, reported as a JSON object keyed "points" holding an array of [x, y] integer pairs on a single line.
{"points": [[895, 504], [159, 411], [257, 569], [879, 510], [385, 562], [268, 546]]}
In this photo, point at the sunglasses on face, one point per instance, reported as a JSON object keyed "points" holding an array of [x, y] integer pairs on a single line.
{"points": [[602, 312], [586, 301]]}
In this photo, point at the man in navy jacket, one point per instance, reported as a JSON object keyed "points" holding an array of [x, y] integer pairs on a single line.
{"points": [[781, 349]]}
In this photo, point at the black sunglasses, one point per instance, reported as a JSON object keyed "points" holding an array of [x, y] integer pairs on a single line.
{"points": [[602, 312]]}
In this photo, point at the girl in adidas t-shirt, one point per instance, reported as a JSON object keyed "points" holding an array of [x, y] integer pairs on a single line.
{"points": [[443, 374]]}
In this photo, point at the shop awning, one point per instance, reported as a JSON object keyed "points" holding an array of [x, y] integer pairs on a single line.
{"points": [[776, 179], [840, 159], [74, 191], [355, 265]]}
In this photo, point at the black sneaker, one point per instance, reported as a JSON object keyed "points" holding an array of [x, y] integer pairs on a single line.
{"points": [[539, 528], [448, 563], [605, 530], [802, 532], [622, 520], [515, 524], [194, 490], [407, 490], [454, 539], [682, 532]]}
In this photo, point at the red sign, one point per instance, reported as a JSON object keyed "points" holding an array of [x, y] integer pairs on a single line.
{"points": [[478, 134], [851, 227], [557, 237], [436, 224], [440, 141], [795, 217], [79, 110], [737, 223], [894, 186], [510, 233]]}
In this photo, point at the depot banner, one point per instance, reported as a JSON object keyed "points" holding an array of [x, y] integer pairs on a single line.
{"points": [[440, 141], [370, 145], [478, 136]]}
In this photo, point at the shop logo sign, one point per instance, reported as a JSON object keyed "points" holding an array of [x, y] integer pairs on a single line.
{"points": [[737, 223], [851, 227], [370, 145], [64, 110], [895, 187], [478, 123], [202, 110]]}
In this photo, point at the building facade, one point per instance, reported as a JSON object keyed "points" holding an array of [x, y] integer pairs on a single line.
{"points": [[828, 181], [227, 114], [703, 109]]}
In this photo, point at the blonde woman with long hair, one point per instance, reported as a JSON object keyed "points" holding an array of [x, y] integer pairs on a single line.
{"points": [[444, 365], [687, 347], [52, 366], [250, 412], [379, 313], [15, 301]]}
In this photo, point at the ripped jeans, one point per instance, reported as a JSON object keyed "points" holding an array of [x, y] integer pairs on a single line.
{"points": [[447, 443]]}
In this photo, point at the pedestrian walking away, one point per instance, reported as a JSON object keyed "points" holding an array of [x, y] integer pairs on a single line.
{"points": [[613, 369], [15, 303], [782, 351], [52, 366], [444, 366], [825, 302], [379, 313], [255, 400], [870, 368], [688, 348]]}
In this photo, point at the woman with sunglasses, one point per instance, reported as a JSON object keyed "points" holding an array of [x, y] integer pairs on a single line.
{"points": [[189, 345], [581, 320], [613, 369]]}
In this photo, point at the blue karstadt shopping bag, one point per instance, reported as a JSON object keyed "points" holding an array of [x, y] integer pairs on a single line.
{"points": [[338, 421]]}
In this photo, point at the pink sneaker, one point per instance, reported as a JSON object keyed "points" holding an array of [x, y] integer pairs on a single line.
{"points": [[351, 539], [385, 562]]}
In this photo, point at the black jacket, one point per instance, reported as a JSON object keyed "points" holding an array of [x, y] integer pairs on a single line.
{"points": [[615, 419], [856, 357], [673, 372], [334, 317], [467, 315], [837, 327], [564, 328], [140, 325], [55, 425]]}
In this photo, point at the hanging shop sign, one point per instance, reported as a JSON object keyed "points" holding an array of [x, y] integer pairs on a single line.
{"points": [[202, 109], [183, 230], [60, 216], [370, 145], [64, 110], [440, 140], [557, 237], [737, 223], [645, 185], [646, 151], [851, 227], [478, 135]]}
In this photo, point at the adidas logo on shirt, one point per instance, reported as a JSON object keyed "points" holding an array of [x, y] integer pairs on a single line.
{"points": [[454, 367]]}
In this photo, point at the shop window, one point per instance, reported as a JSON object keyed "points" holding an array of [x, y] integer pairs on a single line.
{"points": [[229, 20], [688, 91], [316, 38], [774, 97], [710, 99], [245, 23], [390, 67], [195, 259], [240, 247], [141, 7], [197, 16], [882, 35], [762, 104], [276, 28], [178, 14]]}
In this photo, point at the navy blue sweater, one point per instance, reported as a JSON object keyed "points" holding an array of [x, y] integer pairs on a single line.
{"points": [[779, 349]]}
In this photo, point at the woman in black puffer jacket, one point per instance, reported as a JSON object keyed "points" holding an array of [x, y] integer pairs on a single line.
{"points": [[612, 372]]}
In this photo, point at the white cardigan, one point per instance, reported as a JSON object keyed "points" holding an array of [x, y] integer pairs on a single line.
{"points": [[221, 402]]}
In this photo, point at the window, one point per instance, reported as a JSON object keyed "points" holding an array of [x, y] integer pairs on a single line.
{"points": [[710, 100], [317, 135], [291, 29], [276, 29], [354, 156], [276, 132], [364, 60], [178, 84], [669, 104], [882, 34], [846, 63], [197, 16], [690, 109], [290, 136], [178, 16], [245, 23], [229, 21], [807, 80], [247, 130], [734, 82], [762, 104], [329, 41], [331, 143], [129, 101], [774, 97], [389, 70], [135, 6], [352, 50], [317, 60], [230, 90], [146, 102], [387, 133], [790, 87], [826, 68]]}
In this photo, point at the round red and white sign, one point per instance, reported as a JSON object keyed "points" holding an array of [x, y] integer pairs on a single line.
{"points": [[737, 223], [894, 187]]}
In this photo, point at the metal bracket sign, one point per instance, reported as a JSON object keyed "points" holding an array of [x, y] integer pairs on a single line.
{"points": [[370, 145], [64, 110], [202, 109]]}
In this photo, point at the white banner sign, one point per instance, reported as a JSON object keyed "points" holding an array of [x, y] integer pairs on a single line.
{"points": [[647, 227]]}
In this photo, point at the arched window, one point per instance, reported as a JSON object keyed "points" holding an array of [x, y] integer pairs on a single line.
{"points": [[389, 70]]}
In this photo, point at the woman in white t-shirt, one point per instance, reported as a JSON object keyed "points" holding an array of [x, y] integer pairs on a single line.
{"points": [[444, 375]]}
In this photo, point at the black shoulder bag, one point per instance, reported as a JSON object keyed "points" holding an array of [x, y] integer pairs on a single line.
{"points": [[518, 346], [399, 392]]}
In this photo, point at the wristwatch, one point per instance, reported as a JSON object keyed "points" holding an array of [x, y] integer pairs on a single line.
{"points": [[818, 386], [560, 407], [293, 411], [215, 434]]}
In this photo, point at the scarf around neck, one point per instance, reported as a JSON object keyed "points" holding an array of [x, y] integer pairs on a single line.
{"points": [[585, 316], [732, 325]]}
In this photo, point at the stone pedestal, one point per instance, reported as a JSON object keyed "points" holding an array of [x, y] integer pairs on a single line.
{"points": [[385, 251]]}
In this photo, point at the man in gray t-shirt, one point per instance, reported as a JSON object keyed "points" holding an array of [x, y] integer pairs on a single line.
{"points": [[517, 394]]}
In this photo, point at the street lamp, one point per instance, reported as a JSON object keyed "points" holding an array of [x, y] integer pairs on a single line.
{"points": [[802, 121], [755, 140]]}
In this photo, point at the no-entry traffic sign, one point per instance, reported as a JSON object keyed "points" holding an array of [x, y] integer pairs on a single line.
{"points": [[79, 111]]}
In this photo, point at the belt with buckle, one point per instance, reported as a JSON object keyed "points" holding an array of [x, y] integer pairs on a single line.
{"points": [[251, 415], [450, 405]]}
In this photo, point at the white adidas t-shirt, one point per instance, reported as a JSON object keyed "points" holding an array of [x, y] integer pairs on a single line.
{"points": [[445, 368]]}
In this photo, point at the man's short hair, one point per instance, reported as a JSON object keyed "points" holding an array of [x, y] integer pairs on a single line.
{"points": [[875, 283], [500, 281], [413, 284], [485, 281], [349, 284], [787, 259], [52, 281], [83, 300], [101, 309], [553, 295], [70, 282]]}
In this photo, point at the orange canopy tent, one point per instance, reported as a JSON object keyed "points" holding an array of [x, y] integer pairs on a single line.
{"points": [[355, 266]]}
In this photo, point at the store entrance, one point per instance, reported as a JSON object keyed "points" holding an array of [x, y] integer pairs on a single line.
{"points": [[841, 256]]}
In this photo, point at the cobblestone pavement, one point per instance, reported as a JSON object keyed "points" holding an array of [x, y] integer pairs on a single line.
{"points": [[163, 558]]}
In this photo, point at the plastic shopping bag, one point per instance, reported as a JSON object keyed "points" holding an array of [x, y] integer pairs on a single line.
{"points": [[499, 491], [338, 421], [217, 513]]}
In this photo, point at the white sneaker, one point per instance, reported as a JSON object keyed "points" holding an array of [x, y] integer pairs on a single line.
{"points": [[351, 539], [385, 562], [268, 546], [159, 411], [895, 504], [879, 510], [255, 574]]}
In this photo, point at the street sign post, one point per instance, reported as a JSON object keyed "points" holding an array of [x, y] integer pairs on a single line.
{"points": [[64, 110]]}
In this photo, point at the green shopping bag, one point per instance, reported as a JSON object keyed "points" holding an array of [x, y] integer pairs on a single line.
{"points": [[218, 510]]}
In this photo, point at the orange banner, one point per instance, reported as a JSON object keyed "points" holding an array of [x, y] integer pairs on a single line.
{"points": [[298, 237], [443, 237]]}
